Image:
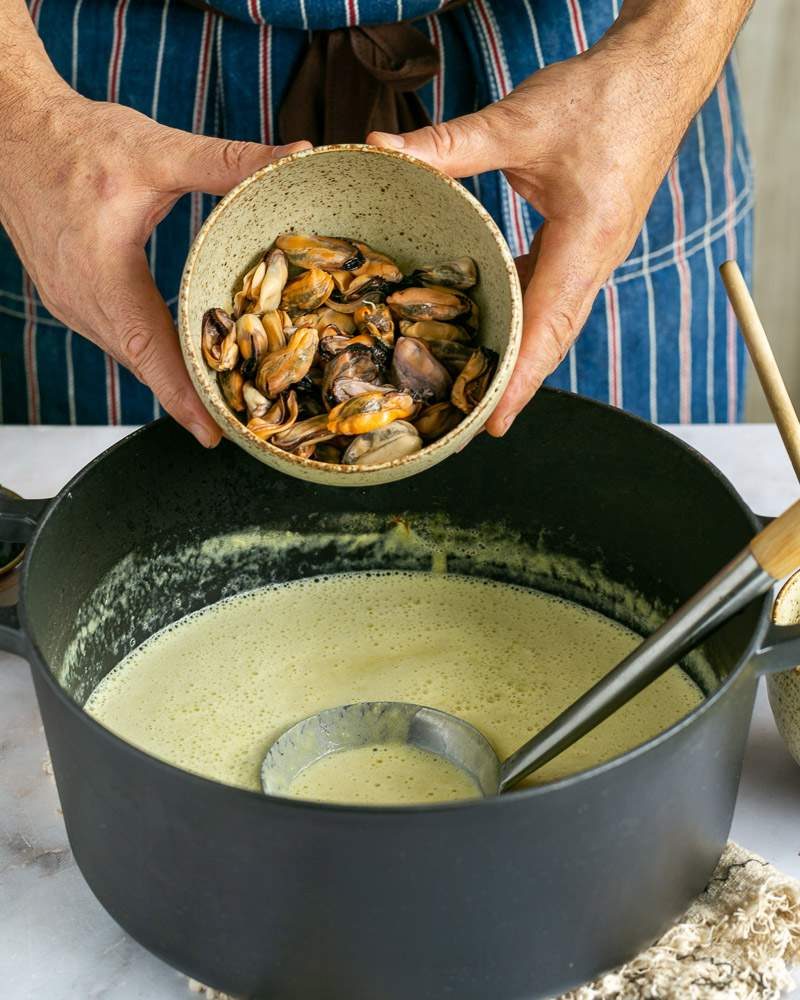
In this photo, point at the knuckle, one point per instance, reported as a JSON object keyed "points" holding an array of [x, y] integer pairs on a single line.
{"points": [[610, 236], [544, 349], [512, 113], [174, 398], [104, 184], [138, 345], [607, 229], [611, 225], [233, 152], [442, 139], [558, 330]]}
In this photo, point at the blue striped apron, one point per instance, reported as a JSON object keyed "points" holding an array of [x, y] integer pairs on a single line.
{"points": [[660, 341]]}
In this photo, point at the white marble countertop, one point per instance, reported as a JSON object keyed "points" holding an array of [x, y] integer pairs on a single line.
{"points": [[56, 942]]}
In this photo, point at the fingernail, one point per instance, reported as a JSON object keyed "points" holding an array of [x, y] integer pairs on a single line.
{"points": [[394, 141], [203, 435], [509, 420], [279, 151]]}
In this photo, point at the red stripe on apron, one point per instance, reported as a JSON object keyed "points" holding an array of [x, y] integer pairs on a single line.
{"points": [[731, 247], [201, 90], [117, 46], [685, 286], [199, 113], [438, 80], [576, 22], [266, 57], [265, 83]]}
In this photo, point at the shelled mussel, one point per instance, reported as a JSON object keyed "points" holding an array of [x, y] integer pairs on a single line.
{"points": [[332, 353]]}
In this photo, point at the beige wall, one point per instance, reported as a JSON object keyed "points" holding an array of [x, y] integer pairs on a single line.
{"points": [[769, 74]]}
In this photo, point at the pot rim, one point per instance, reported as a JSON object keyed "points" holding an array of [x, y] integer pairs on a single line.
{"points": [[521, 796]]}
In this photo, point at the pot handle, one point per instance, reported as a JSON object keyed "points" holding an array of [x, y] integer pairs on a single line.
{"points": [[780, 650], [12, 639], [18, 520]]}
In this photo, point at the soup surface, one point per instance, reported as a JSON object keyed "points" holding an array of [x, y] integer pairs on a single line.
{"points": [[212, 691], [393, 774]]}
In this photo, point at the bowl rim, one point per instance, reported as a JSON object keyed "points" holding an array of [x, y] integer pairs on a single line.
{"points": [[234, 429], [786, 592]]}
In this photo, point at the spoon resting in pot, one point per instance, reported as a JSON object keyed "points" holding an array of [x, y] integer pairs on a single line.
{"points": [[771, 555]]}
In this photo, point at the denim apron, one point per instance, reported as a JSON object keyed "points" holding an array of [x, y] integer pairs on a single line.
{"points": [[661, 340]]}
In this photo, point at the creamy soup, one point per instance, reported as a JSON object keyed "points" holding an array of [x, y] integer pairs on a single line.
{"points": [[394, 774], [212, 691]]}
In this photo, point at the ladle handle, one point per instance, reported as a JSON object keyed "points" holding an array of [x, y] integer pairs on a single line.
{"points": [[777, 547], [773, 553]]}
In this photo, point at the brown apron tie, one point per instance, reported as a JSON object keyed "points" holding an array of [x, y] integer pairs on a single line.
{"points": [[354, 80]]}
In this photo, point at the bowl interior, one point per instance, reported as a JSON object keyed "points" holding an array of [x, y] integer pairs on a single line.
{"points": [[390, 201]]}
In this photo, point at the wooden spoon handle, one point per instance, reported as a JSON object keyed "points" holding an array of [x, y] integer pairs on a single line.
{"points": [[777, 547], [763, 360]]}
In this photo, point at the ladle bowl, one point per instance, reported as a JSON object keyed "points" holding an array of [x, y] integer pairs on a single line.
{"points": [[386, 723]]}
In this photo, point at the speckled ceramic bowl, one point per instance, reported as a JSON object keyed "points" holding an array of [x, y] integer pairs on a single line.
{"points": [[784, 688], [391, 201]]}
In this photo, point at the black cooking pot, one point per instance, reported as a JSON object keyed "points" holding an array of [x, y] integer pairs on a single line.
{"points": [[515, 897]]}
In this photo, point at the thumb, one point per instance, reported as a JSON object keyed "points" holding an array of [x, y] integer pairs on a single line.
{"points": [[566, 278], [202, 163], [461, 147]]}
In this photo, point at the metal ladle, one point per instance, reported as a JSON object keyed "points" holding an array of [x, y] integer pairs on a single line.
{"points": [[771, 555]]}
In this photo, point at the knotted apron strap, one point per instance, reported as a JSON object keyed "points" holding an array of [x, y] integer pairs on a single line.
{"points": [[354, 80]]}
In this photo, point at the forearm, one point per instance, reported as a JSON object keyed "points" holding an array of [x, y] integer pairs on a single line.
{"points": [[32, 103], [680, 45], [28, 79]]}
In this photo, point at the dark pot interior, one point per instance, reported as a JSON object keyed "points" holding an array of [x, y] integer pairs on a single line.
{"points": [[130, 547]]}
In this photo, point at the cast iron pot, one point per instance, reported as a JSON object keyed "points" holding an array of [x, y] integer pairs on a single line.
{"points": [[517, 897]]}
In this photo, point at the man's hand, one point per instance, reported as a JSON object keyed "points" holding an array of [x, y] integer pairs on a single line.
{"points": [[586, 142], [82, 186]]}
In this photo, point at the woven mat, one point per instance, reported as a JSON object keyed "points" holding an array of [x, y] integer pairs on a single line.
{"points": [[736, 942]]}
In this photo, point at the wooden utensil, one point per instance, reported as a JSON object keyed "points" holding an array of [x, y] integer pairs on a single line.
{"points": [[763, 360], [784, 693]]}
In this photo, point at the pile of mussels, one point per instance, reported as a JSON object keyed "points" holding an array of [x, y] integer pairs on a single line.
{"points": [[332, 353]]}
